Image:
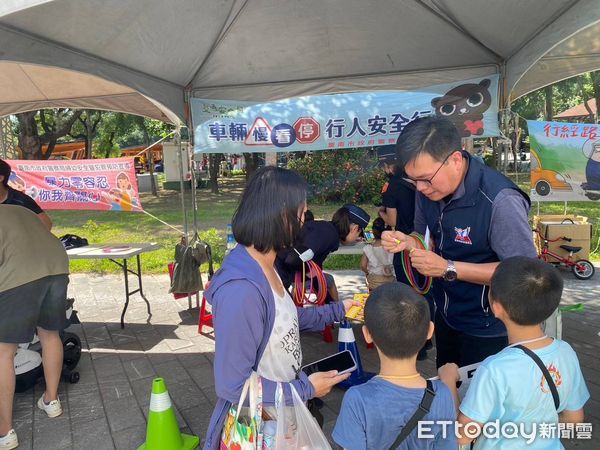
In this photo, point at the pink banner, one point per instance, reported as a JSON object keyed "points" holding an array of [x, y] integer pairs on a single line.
{"points": [[93, 184]]}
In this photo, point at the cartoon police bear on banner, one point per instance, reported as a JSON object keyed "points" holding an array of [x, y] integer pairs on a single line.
{"points": [[464, 106]]}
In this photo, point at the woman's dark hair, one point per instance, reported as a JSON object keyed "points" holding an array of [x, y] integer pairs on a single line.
{"points": [[341, 221], [267, 215], [5, 171]]}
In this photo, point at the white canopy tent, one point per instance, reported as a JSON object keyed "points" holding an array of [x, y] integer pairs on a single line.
{"points": [[149, 56]]}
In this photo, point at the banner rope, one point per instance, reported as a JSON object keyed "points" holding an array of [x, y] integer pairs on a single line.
{"points": [[162, 221]]}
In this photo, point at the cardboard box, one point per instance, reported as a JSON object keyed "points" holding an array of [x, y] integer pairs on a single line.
{"points": [[574, 227]]}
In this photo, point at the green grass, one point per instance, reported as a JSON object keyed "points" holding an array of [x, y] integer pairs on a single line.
{"points": [[215, 212]]}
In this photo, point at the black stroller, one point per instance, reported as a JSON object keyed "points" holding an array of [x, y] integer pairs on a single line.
{"points": [[28, 360]]}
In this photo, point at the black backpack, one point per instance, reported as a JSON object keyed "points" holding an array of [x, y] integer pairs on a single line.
{"points": [[70, 241]]}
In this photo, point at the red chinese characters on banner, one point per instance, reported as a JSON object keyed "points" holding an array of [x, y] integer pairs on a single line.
{"points": [[571, 131], [90, 184]]}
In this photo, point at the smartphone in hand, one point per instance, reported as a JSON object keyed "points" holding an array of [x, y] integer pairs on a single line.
{"points": [[343, 362]]}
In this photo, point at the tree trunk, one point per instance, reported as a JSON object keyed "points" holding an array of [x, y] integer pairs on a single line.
{"points": [[495, 157], [585, 99], [150, 160], [110, 145], [595, 77], [29, 139], [50, 149], [549, 106], [252, 161], [213, 166], [88, 145]]}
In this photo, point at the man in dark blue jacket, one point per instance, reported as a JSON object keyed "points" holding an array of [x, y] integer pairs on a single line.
{"points": [[476, 218]]}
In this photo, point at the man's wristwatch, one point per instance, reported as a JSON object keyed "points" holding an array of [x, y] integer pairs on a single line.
{"points": [[450, 273]]}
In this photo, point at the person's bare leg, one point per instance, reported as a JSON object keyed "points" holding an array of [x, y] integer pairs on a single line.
{"points": [[52, 360], [7, 385]]}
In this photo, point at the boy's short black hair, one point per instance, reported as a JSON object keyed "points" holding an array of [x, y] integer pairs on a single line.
{"points": [[308, 216], [528, 289], [5, 171], [268, 214], [398, 320]]}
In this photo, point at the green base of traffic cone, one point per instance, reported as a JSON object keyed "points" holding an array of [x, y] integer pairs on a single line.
{"points": [[189, 443], [163, 432]]}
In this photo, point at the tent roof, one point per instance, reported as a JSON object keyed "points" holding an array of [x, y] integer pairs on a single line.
{"points": [[147, 55], [578, 110]]}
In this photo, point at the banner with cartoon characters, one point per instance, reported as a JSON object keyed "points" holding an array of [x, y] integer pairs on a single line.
{"points": [[339, 121], [92, 184], [565, 161]]}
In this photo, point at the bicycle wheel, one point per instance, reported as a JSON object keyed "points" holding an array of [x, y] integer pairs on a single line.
{"points": [[583, 269]]}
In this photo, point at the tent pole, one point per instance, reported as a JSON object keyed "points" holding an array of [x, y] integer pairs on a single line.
{"points": [[192, 162], [193, 181], [181, 183], [190, 155]]}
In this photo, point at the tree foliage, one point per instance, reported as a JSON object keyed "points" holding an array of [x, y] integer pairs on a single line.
{"points": [[341, 175], [104, 132], [549, 101], [85, 128]]}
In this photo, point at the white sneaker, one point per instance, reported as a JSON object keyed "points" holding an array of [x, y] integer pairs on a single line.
{"points": [[9, 441], [52, 409]]}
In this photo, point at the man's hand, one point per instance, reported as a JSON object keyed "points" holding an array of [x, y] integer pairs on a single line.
{"points": [[428, 263], [396, 241], [323, 382]]}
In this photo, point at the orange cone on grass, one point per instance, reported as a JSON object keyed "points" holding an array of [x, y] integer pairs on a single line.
{"points": [[163, 432]]}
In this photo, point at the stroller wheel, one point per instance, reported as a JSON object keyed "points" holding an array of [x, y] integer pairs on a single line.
{"points": [[68, 376], [72, 350], [74, 377]]}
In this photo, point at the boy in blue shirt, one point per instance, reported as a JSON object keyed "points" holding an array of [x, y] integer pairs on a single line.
{"points": [[510, 386], [374, 414]]}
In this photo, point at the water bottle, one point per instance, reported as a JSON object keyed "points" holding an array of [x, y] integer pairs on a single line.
{"points": [[230, 239], [269, 432]]}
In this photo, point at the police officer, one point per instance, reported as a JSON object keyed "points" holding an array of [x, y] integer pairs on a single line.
{"points": [[477, 217], [397, 199], [323, 237]]}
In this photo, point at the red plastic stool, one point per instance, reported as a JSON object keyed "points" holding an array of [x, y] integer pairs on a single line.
{"points": [[328, 333], [204, 318]]}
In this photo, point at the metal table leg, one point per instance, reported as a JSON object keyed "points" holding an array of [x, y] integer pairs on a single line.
{"points": [[128, 293]]}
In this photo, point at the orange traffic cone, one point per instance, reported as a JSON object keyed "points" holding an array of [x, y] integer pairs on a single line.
{"points": [[163, 432]]}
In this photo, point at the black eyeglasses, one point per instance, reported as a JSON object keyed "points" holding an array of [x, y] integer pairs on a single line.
{"points": [[428, 180]]}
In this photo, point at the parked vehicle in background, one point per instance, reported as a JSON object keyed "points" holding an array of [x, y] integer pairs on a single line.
{"points": [[543, 181]]}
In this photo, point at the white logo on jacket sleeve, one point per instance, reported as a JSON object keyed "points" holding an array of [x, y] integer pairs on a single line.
{"points": [[462, 235]]}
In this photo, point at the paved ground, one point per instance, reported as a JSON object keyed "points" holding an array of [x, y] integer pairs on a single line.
{"points": [[107, 409]]}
